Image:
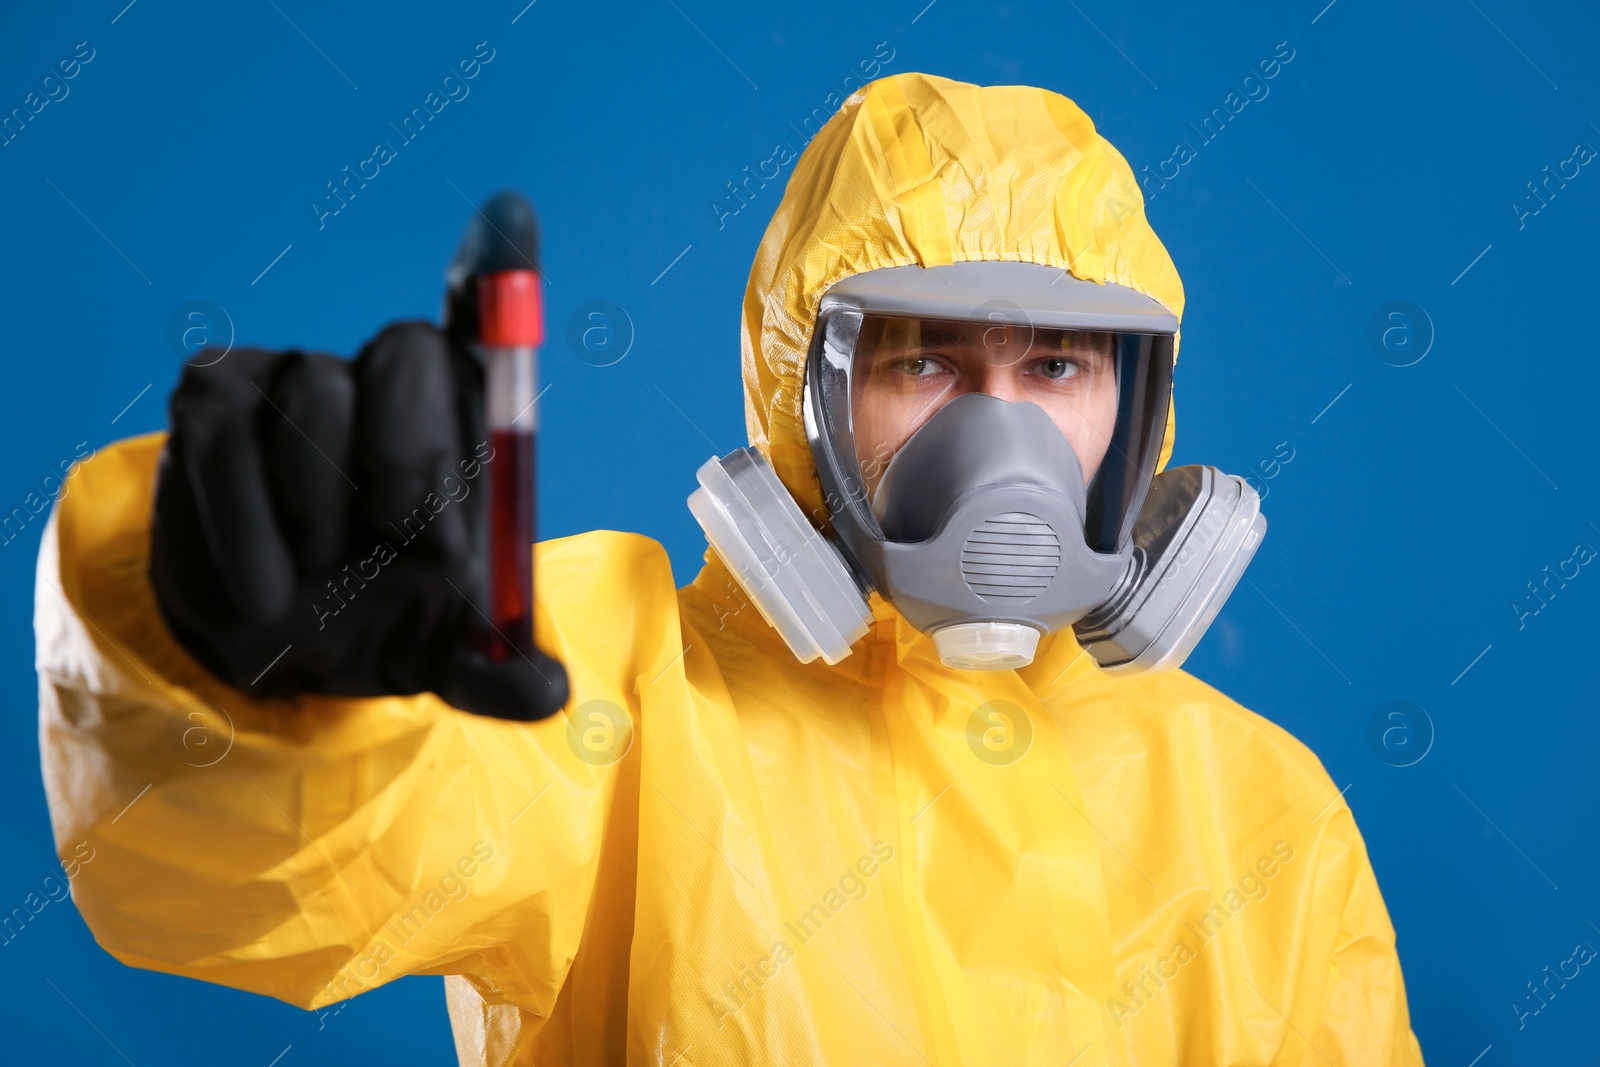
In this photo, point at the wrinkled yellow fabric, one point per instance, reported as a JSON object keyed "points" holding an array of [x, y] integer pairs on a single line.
{"points": [[792, 863]]}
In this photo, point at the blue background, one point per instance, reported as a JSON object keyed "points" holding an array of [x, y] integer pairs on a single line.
{"points": [[1382, 164]]}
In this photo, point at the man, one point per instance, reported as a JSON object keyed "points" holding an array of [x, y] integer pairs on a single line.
{"points": [[721, 854]]}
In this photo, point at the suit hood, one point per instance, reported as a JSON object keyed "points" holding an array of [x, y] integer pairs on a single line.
{"points": [[919, 169]]}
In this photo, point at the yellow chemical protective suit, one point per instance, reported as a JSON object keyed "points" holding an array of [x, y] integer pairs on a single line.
{"points": [[719, 855]]}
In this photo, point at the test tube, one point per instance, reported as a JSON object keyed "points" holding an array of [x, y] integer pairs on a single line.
{"points": [[511, 327]]}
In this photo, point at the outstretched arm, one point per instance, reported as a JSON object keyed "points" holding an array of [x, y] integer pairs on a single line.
{"points": [[313, 847]]}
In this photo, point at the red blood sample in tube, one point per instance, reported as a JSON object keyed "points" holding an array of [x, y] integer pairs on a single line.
{"points": [[511, 327]]}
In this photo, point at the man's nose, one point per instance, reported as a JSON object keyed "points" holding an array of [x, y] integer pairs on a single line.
{"points": [[1004, 350]]}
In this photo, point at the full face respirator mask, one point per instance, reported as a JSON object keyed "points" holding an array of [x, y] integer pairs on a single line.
{"points": [[935, 401]]}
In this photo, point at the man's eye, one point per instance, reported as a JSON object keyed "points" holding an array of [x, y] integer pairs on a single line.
{"points": [[1058, 368], [918, 366]]}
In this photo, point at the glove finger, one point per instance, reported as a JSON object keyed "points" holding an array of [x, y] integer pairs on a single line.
{"points": [[305, 441], [213, 416], [189, 589], [408, 439]]}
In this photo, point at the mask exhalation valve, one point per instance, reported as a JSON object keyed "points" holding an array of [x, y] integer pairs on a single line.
{"points": [[986, 646]]}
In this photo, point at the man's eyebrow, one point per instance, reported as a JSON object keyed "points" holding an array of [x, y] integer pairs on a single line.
{"points": [[941, 331]]}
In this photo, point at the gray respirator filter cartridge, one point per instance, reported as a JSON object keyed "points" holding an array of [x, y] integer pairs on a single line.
{"points": [[1194, 538], [795, 578]]}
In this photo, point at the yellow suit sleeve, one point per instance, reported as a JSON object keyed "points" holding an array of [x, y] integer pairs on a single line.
{"points": [[315, 848], [1365, 1018]]}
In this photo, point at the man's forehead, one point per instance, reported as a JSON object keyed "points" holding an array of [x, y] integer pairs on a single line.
{"points": [[958, 331]]}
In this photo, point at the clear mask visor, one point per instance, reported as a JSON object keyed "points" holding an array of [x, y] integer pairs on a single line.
{"points": [[878, 378]]}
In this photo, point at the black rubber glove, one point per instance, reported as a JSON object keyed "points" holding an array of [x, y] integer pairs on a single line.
{"points": [[320, 524]]}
